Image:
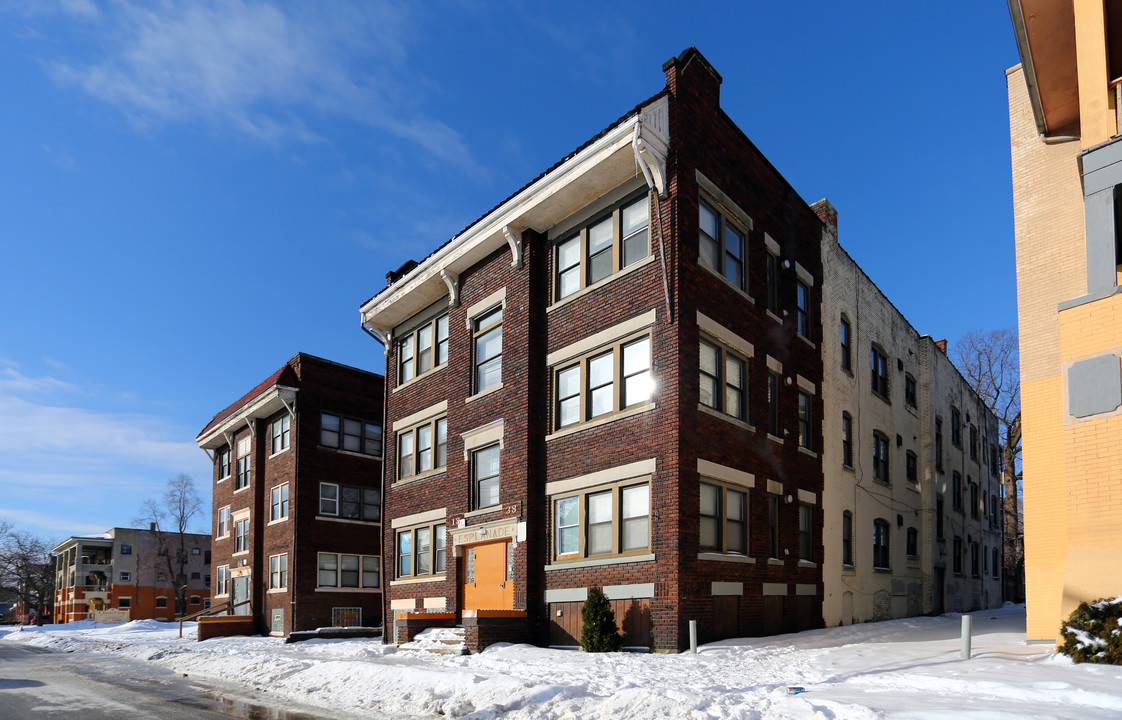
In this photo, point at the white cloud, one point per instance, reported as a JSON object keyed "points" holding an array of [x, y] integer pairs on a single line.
{"points": [[263, 71], [14, 382]]}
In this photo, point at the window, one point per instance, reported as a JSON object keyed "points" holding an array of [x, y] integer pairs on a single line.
{"points": [[773, 404], [913, 542], [423, 349], [422, 449], [350, 502], [223, 580], [956, 428], [939, 517], [995, 461], [909, 390], [357, 572], [847, 439], [880, 456], [603, 521], [974, 569], [985, 561], [806, 436], [279, 502], [124, 602], [487, 333], [974, 510], [939, 444], [995, 516], [206, 557], [956, 490], [806, 550], [846, 346], [608, 381], [847, 538], [721, 245], [974, 443], [223, 528], [196, 576], [603, 247], [773, 525], [206, 582], [485, 474], [280, 433], [956, 556], [771, 277], [161, 602], [802, 310], [723, 383], [421, 551], [222, 460], [196, 551], [278, 571], [125, 576], [195, 600], [880, 372], [241, 536], [912, 467], [243, 476], [723, 520], [995, 564], [126, 549], [350, 434], [206, 603], [881, 558]]}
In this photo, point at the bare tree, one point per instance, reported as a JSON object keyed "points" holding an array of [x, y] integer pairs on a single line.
{"points": [[990, 361], [168, 521], [27, 569]]}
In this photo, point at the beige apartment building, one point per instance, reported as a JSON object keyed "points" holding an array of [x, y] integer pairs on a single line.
{"points": [[1064, 143]]}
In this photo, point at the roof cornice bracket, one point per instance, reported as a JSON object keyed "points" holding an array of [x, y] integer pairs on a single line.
{"points": [[452, 280], [652, 143], [250, 425], [515, 242]]}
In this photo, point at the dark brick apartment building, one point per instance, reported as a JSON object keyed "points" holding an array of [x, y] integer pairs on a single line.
{"points": [[297, 498], [613, 378]]}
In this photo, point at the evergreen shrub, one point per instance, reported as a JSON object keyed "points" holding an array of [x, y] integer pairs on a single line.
{"points": [[599, 632], [1093, 633]]}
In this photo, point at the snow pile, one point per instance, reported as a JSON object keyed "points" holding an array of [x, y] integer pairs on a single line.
{"points": [[903, 668]]}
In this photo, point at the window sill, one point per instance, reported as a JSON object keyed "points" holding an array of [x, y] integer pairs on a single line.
{"points": [[775, 561], [775, 438], [418, 378], [278, 521], [849, 570], [629, 412], [484, 393], [350, 590], [805, 339], [729, 283], [887, 571], [912, 485], [713, 412], [221, 480], [807, 564], [222, 537], [490, 509], [348, 521], [724, 557], [599, 284], [282, 451], [618, 560], [849, 468], [774, 317], [420, 476], [911, 408], [222, 595], [242, 489], [240, 554], [276, 591], [418, 580], [809, 453]]}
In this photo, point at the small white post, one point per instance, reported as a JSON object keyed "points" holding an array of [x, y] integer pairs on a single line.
{"points": [[693, 636], [967, 625]]}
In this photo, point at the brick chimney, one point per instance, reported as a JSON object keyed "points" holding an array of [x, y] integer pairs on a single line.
{"points": [[828, 214], [942, 345], [690, 71]]}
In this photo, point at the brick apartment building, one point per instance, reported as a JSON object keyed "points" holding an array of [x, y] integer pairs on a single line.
{"points": [[297, 498], [123, 569], [613, 378]]}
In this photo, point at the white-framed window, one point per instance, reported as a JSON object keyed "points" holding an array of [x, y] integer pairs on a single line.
{"points": [[241, 536], [341, 570], [602, 247], [161, 601], [421, 551], [243, 464], [223, 587], [605, 381], [278, 571], [281, 433], [603, 521], [124, 576], [487, 349], [723, 380], [422, 448], [806, 423], [350, 502], [223, 527], [423, 349], [206, 603], [806, 532], [485, 476], [722, 245], [350, 434], [723, 526], [195, 600], [802, 309], [124, 603], [222, 461], [278, 502]]}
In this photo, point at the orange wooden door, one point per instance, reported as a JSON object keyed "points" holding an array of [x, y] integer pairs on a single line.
{"points": [[485, 578]]}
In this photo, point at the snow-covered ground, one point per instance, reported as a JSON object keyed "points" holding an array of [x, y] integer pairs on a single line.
{"points": [[903, 668]]}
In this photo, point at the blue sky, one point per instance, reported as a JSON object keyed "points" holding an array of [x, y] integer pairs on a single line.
{"points": [[194, 192]]}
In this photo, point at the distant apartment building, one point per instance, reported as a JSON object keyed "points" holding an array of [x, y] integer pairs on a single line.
{"points": [[911, 465], [613, 378], [297, 498], [1064, 105], [128, 569]]}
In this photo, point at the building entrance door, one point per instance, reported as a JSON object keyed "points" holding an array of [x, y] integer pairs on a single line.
{"points": [[487, 577], [240, 593]]}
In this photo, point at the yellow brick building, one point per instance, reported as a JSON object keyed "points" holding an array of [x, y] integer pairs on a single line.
{"points": [[1067, 183]]}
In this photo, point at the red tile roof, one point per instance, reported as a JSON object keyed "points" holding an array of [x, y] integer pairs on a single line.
{"points": [[285, 376]]}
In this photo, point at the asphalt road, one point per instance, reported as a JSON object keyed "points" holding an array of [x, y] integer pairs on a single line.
{"points": [[39, 684]]}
